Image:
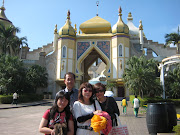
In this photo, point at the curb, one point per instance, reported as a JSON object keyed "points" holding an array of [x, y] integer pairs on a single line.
{"points": [[20, 106]]}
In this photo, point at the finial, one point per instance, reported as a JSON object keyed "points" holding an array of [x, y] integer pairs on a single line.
{"points": [[97, 3], [129, 15], [75, 28], [68, 14], [140, 25], [120, 10], [3, 3], [55, 30]]}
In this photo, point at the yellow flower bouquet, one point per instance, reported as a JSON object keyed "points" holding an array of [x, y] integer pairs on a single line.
{"points": [[101, 122]]}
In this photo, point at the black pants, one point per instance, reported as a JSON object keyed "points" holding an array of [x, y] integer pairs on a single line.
{"points": [[14, 101]]}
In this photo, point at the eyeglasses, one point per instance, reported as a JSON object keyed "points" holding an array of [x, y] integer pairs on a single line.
{"points": [[99, 91], [86, 90]]}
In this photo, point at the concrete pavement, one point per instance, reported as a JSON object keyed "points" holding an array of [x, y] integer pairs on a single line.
{"points": [[136, 126]]}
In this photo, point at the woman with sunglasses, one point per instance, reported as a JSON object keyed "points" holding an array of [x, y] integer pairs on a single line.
{"points": [[108, 104], [85, 108]]}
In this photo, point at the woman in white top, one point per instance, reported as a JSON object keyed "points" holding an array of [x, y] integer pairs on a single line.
{"points": [[85, 108]]}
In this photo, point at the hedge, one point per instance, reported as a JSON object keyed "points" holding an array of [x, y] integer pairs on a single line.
{"points": [[147, 100], [7, 99]]}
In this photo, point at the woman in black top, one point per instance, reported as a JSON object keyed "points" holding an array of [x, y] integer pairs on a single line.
{"points": [[107, 104]]}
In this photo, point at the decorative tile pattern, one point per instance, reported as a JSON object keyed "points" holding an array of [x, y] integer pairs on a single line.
{"points": [[81, 48], [104, 46]]}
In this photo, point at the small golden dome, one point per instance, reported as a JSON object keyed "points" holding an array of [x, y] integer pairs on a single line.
{"points": [[120, 26], [67, 29], [95, 25], [3, 18]]}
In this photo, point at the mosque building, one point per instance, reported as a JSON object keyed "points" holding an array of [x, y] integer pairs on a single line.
{"points": [[73, 51]]}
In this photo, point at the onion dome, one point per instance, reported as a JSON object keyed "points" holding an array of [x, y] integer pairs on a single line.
{"points": [[95, 25], [133, 30], [120, 26], [3, 18], [67, 29]]}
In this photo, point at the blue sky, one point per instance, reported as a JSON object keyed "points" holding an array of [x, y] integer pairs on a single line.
{"points": [[37, 18]]}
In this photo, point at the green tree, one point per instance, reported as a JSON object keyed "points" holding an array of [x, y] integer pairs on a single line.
{"points": [[140, 76], [36, 77], [9, 42], [173, 38], [12, 74], [172, 82]]}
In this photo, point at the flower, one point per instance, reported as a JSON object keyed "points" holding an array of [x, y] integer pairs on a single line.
{"points": [[98, 123], [101, 122]]}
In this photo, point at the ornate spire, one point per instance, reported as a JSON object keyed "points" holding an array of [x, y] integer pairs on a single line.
{"points": [[130, 16], [3, 3], [68, 14], [140, 25], [120, 10], [55, 30], [97, 3], [75, 28], [120, 26]]}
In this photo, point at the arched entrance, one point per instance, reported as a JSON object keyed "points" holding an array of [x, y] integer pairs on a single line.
{"points": [[88, 61]]}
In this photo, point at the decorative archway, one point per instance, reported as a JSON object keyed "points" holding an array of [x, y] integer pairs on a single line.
{"points": [[167, 61]]}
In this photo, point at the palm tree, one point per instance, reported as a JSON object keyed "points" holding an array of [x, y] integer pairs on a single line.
{"points": [[9, 42], [140, 76], [173, 38]]}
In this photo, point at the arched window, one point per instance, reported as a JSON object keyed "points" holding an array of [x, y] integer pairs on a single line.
{"points": [[120, 50], [64, 51]]}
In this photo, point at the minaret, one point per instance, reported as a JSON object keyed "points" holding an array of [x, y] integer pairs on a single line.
{"points": [[55, 43], [141, 34]]}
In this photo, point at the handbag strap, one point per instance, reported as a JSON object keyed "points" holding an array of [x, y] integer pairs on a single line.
{"points": [[118, 119], [94, 105], [107, 103]]}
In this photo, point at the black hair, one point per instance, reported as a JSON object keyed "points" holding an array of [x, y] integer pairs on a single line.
{"points": [[135, 96], [80, 96], [54, 108], [70, 73]]}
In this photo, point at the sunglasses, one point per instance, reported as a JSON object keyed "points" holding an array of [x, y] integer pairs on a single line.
{"points": [[99, 91], [86, 90]]}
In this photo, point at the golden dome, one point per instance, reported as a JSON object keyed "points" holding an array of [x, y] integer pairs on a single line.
{"points": [[67, 29], [95, 25], [120, 26], [3, 18]]}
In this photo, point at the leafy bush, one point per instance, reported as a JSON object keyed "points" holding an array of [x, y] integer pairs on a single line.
{"points": [[6, 99], [177, 129], [131, 98], [147, 100], [22, 98]]}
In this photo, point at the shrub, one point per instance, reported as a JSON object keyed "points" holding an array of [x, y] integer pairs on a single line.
{"points": [[7, 99], [142, 101]]}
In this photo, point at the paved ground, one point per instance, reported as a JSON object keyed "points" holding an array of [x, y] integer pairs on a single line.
{"points": [[22, 120]]}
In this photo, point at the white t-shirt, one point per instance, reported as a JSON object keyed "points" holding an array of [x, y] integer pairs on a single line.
{"points": [[80, 109], [136, 103], [15, 95]]}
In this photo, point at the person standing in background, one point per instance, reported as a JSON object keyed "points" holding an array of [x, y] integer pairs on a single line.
{"points": [[124, 104], [136, 102], [15, 98]]}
